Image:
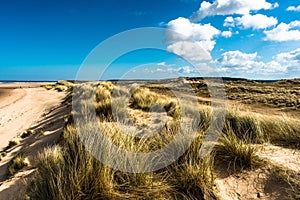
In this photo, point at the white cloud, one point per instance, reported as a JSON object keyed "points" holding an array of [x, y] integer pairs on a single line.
{"points": [[257, 21], [227, 34], [229, 21], [290, 59], [293, 8], [164, 64], [284, 32], [186, 70], [190, 40], [287, 56], [229, 7], [192, 51], [236, 58], [239, 64], [191, 31], [163, 72]]}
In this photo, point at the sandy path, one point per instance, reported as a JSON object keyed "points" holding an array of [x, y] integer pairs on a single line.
{"points": [[279, 156], [260, 183], [24, 107]]}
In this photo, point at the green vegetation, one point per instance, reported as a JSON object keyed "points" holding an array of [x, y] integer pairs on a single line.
{"points": [[11, 144], [60, 86], [70, 171], [144, 99], [238, 153], [16, 164], [27, 133]]}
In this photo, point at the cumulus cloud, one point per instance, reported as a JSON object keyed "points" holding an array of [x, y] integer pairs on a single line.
{"points": [[229, 21], [229, 7], [190, 31], [236, 58], [186, 70], [190, 40], [192, 51], [257, 21], [289, 59], [284, 32], [164, 64], [227, 34], [167, 72], [239, 64], [293, 8]]}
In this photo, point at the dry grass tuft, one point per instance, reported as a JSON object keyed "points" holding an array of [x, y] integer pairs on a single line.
{"points": [[16, 164], [237, 152]]}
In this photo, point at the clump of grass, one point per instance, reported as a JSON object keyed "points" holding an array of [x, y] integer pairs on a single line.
{"points": [[194, 181], [48, 86], [63, 85], [103, 101], [108, 85], [236, 152], [205, 115], [173, 109], [192, 176], [71, 172], [27, 133], [47, 180], [68, 84], [260, 128], [11, 144], [245, 125], [282, 130], [16, 164], [145, 99], [61, 88]]}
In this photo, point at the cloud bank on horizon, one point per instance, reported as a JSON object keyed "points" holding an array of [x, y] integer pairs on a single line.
{"points": [[197, 38]]}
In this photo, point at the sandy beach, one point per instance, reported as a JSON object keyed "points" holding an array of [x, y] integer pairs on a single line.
{"points": [[22, 106], [27, 106]]}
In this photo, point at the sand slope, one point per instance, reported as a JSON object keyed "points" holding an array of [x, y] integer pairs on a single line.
{"points": [[28, 107], [23, 107]]}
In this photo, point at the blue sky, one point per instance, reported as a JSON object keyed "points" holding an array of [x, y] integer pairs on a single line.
{"points": [[48, 40]]}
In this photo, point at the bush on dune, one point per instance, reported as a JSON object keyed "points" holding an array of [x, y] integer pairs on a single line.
{"points": [[71, 172], [235, 151], [16, 164], [281, 130], [192, 175], [145, 99]]}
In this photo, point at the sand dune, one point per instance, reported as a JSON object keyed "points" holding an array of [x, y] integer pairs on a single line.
{"points": [[22, 106]]}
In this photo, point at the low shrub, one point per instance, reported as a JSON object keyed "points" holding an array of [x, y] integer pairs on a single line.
{"points": [[16, 164], [12, 143], [27, 133], [236, 152]]}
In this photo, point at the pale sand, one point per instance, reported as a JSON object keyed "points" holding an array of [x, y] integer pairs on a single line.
{"points": [[22, 106]]}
